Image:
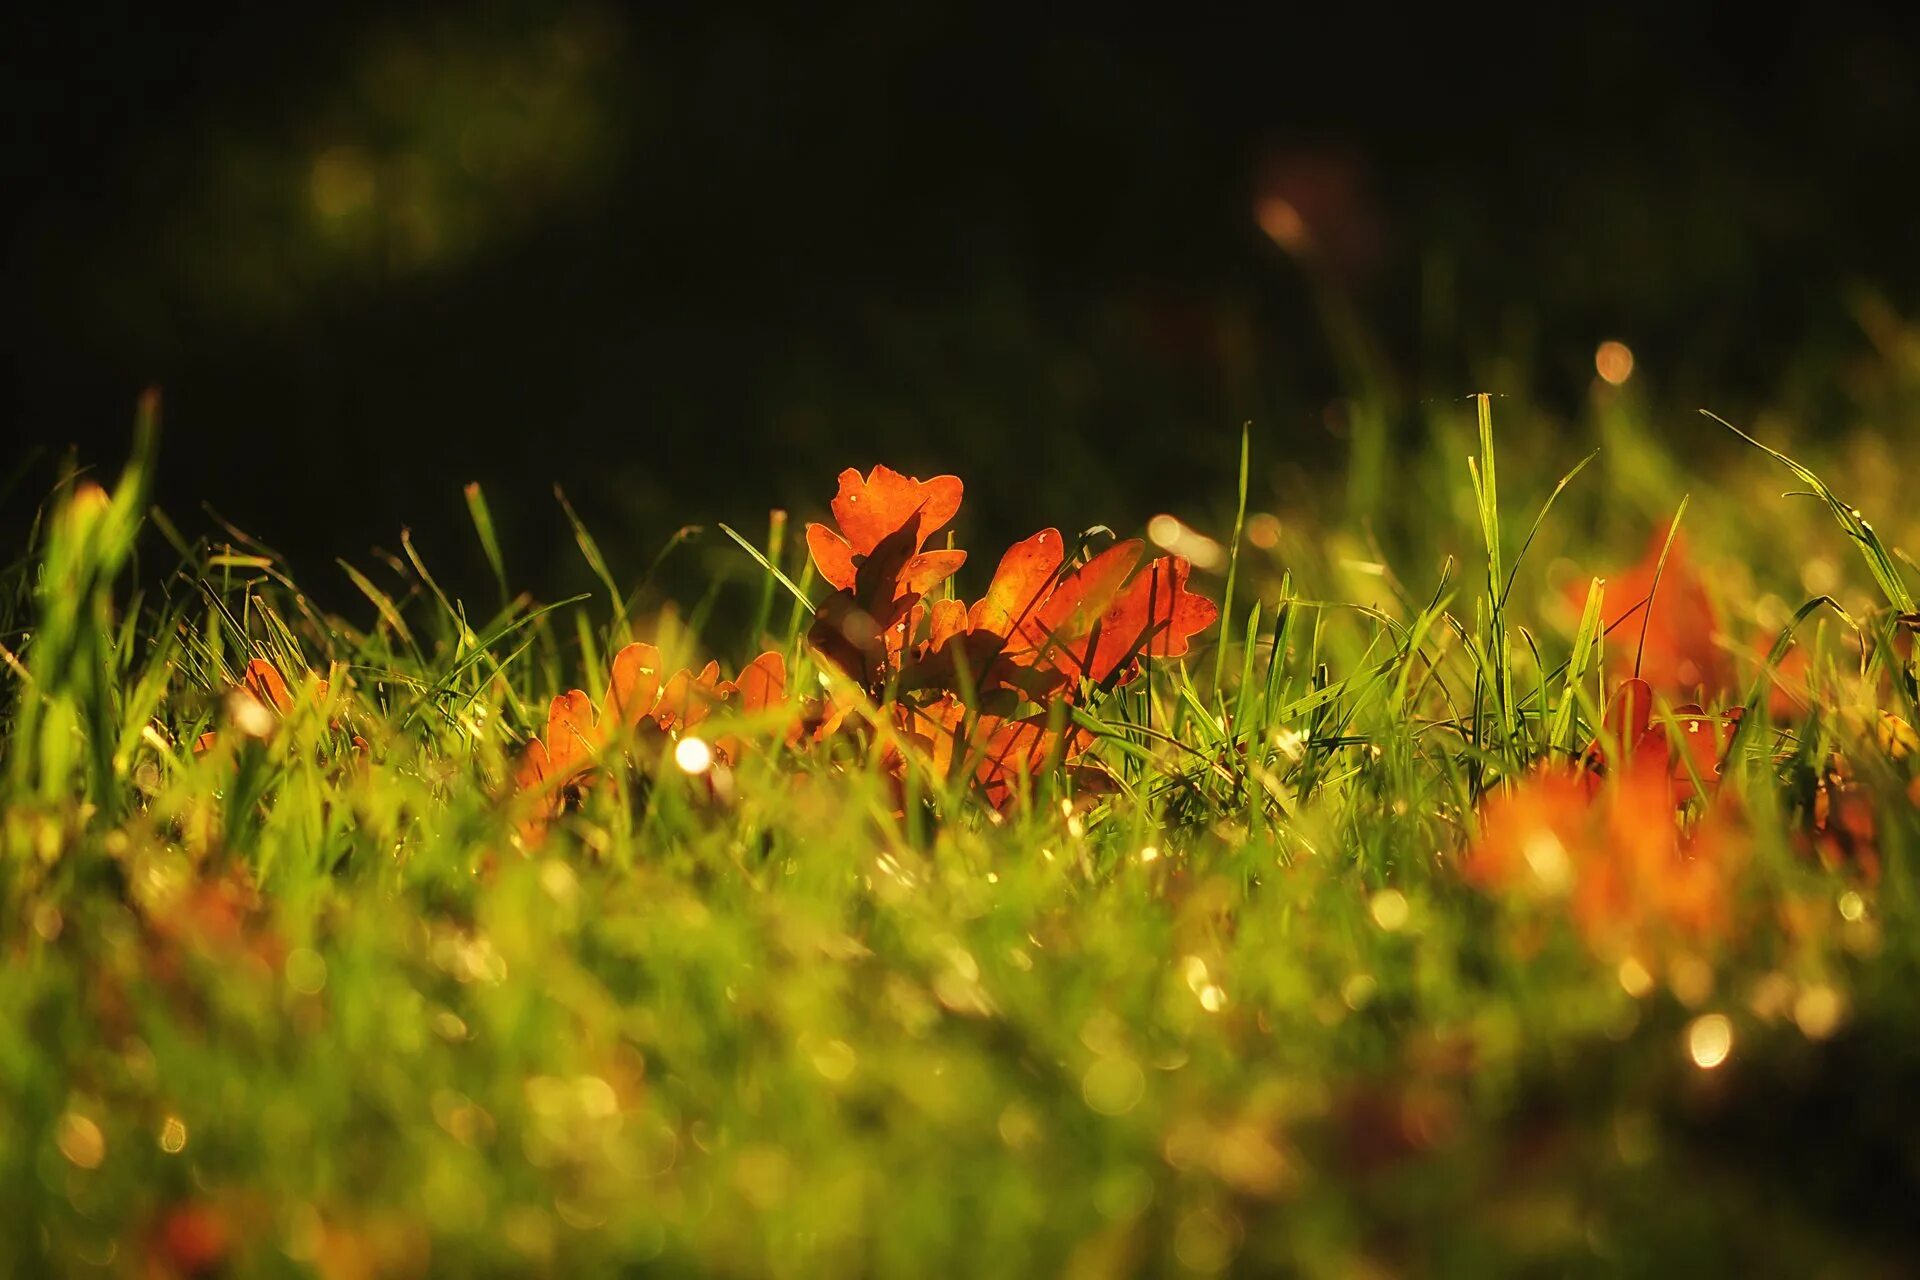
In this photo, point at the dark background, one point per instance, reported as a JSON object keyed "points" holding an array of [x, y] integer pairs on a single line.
{"points": [[689, 262]]}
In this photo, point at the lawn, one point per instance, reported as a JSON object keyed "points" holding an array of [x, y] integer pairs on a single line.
{"points": [[1507, 870]]}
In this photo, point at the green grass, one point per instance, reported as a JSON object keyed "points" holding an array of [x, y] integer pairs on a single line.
{"points": [[304, 1006]]}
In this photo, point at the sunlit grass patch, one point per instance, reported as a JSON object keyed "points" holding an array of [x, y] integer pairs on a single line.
{"points": [[1283, 907]]}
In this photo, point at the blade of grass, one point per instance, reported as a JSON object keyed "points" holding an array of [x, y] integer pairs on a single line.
{"points": [[1487, 493], [597, 562], [776, 545], [769, 566], [1585, 638], [1653, 590], [1886, 574], [1233, 560], [381, 602], [1541, 519], [482, 517], [1243, 701]]}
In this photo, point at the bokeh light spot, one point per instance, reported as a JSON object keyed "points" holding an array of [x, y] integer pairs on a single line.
{"points": [[1709, 1040], [1113, 1086], [341, 182], [1390, 910], [693, 755], [81, 1141], [173, 1135], [1613, 361]]}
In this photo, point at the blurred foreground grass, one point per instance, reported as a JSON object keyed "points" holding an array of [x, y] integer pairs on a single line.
{"points": [[300, 1002]]}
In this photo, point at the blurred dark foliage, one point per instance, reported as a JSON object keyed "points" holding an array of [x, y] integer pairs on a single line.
{"points": [[689, 262]]}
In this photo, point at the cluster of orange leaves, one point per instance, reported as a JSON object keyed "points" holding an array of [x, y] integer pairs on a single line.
{"points": [[1685, 652], [961, 690], [971, 687], [262, 696], [1646, 843], [644, 708], [1610, 831]]}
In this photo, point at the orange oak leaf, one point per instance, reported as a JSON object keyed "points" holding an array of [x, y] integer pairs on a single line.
{"points": [[191, 1238], [1645, 745], [573, 732], [1154, 617], [1684, 655], [1090, 627], [946, 619], [870, 510], [534, 767], [762, 683], [1845, 828], [261, 685], [762, 688], [863, 628], [1020, 585], [852, 639], [1629, 869], [689, 699], [896, 573], [877, 564], [1011, 751], [559, 764], [1073, 608], [263, 681], [1019, 635], [555, 768], [1004, 756], [633, 685], [1037, 634]]}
